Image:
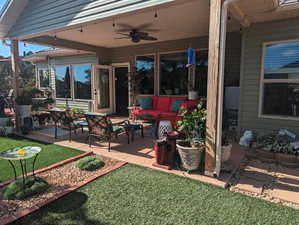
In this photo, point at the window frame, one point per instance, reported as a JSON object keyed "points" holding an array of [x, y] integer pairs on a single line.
{"points": [[190, 72], [263, 81], [38, 77], [155, 71], [73, 82]]}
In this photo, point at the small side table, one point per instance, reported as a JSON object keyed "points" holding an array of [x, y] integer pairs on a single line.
{"points": [[135, 126], [13, 155]]}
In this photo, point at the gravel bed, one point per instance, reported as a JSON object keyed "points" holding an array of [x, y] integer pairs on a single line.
{"points": [[59, 179]]}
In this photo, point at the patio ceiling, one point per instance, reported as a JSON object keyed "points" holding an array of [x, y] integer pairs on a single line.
{"points": [[177, 21]]}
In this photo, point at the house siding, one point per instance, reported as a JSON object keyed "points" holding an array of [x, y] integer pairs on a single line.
{"points": [[233, 53], [68, 60], [253, 39], [41, 16]]}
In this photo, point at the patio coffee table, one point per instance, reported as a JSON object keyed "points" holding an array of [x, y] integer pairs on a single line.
{"points": [[21, 155], [155, 120]]}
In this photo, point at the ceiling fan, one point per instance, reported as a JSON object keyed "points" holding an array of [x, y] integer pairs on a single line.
{"points": [[136, 34]]}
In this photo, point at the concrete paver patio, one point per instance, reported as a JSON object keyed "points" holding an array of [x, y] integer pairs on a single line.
{"points": [[268, 181]]}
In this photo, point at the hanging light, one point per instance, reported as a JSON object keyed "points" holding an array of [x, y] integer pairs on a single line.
{"points": [[25, 44], [81, 30], [113, 24]]}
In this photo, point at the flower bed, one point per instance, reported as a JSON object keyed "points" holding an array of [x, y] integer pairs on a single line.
{"points": [[277, 148], [61, 180]]}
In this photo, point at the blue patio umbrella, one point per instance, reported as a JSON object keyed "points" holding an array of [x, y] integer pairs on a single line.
{"points": [[67, 86]]}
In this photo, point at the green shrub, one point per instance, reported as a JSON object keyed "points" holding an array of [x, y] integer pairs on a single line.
{"points": [[90, 163], [15, 190]]}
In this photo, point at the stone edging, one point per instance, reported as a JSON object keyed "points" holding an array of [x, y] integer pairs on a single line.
{"points": [[55, 165], [65, 192]]}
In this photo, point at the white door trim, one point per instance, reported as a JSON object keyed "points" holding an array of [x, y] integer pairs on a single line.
{"points": [[95, 92]]}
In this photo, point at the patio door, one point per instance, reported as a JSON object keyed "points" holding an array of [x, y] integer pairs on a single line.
{"points": [[102, 89]]}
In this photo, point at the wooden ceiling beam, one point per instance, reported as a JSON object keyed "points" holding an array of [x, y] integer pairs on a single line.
{"points": [[239, 14]]}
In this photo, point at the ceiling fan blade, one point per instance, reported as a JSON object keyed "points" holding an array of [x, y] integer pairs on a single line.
{"points": [[143, 26], [122, 38], [125, 26], [149, 38], [128, 35], [123, 30], [151, 30]]}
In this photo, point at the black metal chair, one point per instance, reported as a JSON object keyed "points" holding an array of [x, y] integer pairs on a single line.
{"points": [[101, 127]]}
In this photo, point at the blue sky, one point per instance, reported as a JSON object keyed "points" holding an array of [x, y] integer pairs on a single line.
{"points": [[5, 51]]}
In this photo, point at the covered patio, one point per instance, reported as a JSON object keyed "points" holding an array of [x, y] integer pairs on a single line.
{"points": [[202, 25]]}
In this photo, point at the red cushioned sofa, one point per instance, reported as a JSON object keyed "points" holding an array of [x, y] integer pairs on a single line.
{"points": [[162, 108]]}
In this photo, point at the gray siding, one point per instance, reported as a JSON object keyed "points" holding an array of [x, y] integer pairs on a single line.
{"points": [[233, 53], [253, 40], [40, 16], [67, 60]]}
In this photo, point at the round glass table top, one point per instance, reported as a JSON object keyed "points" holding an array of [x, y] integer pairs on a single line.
{"points": [[20, 153]]}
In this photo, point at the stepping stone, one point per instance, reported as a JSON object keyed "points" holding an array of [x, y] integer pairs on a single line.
{"points": [[250, 185]]}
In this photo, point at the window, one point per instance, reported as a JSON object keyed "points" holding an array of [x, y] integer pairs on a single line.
{"points": [[44, 78], [63, 82], [280, 81], [201, 72], [145, 74], [82, 81], [173, 74]]}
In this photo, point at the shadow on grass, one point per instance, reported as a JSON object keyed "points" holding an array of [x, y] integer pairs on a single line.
{"points": [[68, 210]]}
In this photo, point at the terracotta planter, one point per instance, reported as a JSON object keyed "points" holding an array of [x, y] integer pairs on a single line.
{"points": [[191, 157], [226, 153], [264, 155], [286, 159]]}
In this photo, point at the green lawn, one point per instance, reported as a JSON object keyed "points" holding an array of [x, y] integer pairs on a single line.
{"points": [[135, 195], [50, 154]]}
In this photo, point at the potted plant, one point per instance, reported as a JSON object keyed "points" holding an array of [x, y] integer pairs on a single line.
{"points": [[192, 126], [24, 101], [226, 147]]}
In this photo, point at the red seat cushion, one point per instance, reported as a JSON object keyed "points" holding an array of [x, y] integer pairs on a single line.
{"points": [[144, 111], [163, 104]]}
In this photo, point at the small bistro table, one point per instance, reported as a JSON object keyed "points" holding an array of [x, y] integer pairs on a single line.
{"points": [[13, 155]]}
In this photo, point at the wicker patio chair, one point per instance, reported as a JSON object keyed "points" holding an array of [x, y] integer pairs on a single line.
{"points": [[101, 127]]}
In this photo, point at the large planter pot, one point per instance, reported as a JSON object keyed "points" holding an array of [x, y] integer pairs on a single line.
{"points": [[266, 156], [191, 157], [286, 159], [4, 121], [8, 130], [226, 153], [192, 95], [24, 110]]}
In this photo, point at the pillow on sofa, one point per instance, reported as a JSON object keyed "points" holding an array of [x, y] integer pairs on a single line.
{"points": [[145, 102], [176, 105]]}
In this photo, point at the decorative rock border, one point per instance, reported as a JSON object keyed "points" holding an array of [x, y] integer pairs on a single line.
{"points": [[55, 165], [98, 174]]}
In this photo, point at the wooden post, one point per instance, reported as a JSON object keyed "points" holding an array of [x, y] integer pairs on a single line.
{"points": [[15, 65], [213, 79]]}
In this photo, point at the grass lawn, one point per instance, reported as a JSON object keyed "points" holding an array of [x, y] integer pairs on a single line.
{"points": [[50, 154], [135, 195]]}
